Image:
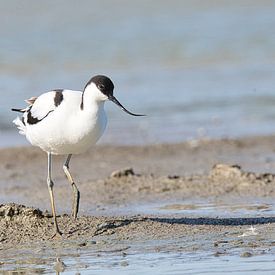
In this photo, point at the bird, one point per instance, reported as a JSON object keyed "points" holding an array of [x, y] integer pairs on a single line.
{"points": [[67, 122]]}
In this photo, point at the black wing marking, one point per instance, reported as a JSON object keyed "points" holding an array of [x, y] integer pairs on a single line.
{"points": [[28, 116], [58, 98], [33, 120], [18, 110]]}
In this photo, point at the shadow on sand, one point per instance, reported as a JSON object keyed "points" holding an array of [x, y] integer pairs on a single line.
{"points": [[187, 221], [216, 221]]}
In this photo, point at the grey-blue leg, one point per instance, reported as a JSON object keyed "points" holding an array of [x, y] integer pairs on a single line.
{"points": [[50, 187], [76, 193]]}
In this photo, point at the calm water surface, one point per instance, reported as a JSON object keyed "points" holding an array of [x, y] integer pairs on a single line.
{"points": [[196, 68]]}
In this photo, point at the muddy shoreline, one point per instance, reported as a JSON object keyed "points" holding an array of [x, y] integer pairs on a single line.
{"points": [[143, 200], [176, 171], [227, 183]]}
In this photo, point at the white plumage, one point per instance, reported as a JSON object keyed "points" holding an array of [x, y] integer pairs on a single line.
{"points": [[66, 128], [67, 122]]}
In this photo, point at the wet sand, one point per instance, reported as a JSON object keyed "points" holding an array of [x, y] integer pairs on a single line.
{"points": [[143, 200]]}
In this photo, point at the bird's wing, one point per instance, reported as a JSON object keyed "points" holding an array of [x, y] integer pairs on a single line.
{"points": [[31, 100], [42, 106]]}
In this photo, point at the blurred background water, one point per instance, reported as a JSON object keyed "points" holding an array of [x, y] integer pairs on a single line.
{"points": [[196, 68]]}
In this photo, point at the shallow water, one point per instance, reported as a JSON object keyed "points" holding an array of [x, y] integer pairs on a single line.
{"points": [[195, 68], [181, 255], [194, 208], [219, 209], [151, 263]]}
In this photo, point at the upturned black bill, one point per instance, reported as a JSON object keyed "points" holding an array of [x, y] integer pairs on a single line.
{"points": [[113, 99]]}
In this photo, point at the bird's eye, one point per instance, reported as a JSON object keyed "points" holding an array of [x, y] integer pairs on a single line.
{"points": [[101, 86]]}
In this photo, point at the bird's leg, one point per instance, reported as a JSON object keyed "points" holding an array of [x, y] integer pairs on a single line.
{"points": [[50, 187], [76, 193]]}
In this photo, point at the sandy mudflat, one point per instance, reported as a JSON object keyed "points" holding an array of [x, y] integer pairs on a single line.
{"points": [[161, 204]]}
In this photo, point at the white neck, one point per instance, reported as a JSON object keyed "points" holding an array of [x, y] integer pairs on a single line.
{"points": [[92, 98]]}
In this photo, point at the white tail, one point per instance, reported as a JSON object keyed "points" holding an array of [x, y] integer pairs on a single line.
{"points": [[20, 125]]}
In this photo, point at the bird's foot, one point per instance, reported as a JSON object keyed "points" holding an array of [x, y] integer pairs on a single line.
{"points": [[76, 199], [74, 213], [57, 235]]}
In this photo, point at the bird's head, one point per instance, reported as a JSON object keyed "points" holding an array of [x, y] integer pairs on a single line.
{"points": [[103, 89]]}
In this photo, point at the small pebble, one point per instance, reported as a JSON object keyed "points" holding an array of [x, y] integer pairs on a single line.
{"points": [[123, 173], [219, 253], [59, 266], [246, 254], [124, 263]]}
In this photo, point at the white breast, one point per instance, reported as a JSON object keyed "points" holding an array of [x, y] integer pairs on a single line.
{"points": [[67, 129]]}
